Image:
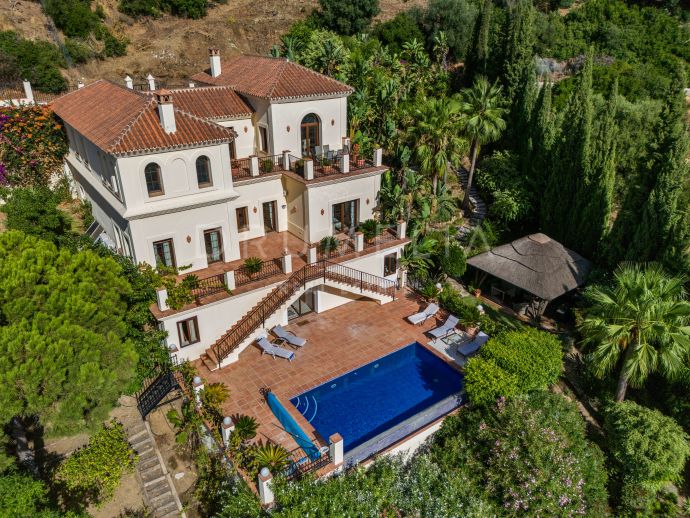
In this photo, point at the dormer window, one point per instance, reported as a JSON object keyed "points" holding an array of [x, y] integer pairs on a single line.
{"points": [[154, 182], [203, 172]]}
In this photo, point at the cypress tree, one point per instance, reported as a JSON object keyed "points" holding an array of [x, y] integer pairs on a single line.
{"points": [[543, 135], [477, 62], [595, 195], [662, 232], [572, 163], [518, 45]]}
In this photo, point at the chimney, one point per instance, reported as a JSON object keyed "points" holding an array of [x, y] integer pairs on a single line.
{"points": [[129, 83], [192, 84], [80, 84], [214, 54], [166, 112], [152, 82], [28, 91]]}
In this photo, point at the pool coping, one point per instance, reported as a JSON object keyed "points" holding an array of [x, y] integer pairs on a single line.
{"points": [[425, 418]]}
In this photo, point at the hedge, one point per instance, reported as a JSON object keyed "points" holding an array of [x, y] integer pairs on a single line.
{"points": [[485, 381]]}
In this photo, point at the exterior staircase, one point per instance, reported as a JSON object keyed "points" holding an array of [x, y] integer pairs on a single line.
{"points": [[244, 331], [479, 209]]}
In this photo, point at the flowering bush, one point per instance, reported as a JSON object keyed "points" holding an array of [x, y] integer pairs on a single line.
{"points": [[32, 146]]}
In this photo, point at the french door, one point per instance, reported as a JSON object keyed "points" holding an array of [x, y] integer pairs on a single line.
{"points": [[213, 240], [270, 224], [345, 216]]}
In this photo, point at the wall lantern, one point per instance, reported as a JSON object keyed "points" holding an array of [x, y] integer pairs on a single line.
{"points": [[288, 129], [323, 212], [189, 239]]}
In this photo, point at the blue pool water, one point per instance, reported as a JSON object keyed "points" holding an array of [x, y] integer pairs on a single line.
{"points": [[380, 395]]}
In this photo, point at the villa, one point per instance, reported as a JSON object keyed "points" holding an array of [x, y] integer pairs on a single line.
{"points": [[252, 160]]}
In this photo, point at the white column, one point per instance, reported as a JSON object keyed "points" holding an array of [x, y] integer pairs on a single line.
{"points": [[286, 160], [337, 449], [401, 229], [162, 298], [311, 254], [198, 386], [265, 490], [254, 165], [378, 157], [226, 429], [346, 144], [28, 91], [230, 280], [129, 83], [286, 261], [345, 163], [308, 169], [402, 278], [359, 241], [151, 81]]}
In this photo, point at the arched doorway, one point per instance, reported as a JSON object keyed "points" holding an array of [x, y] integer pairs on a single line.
{"points": [[311, 134]]}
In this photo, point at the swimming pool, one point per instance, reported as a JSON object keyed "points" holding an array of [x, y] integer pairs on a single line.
{"points": [[383, 401]]}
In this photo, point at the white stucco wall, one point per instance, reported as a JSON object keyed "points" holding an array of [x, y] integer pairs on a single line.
{"points": [[296, 200], [244, 143], [252, 196]]}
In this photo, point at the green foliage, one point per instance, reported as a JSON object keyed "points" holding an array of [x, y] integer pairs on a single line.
{"points": [[453, 17], [515, 362], [508, 189], [188, 8], [529, 454], [370, 229], [328, 244], [79, 50], [649, 449], [65, 356], [138, 8], [452, 260], [37, 61], [32, 146], [347, 16], [22, 496], [187, 424], [395, 32], [35, 212], [253, 265], [74, 17], [92, 473], [245, 427], [272, 455]]}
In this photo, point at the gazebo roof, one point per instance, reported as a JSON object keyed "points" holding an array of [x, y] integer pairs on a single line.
{"points": [[537, 264]]}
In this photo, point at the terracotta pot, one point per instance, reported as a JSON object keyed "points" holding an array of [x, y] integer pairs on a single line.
{"points": [[477, 292]]}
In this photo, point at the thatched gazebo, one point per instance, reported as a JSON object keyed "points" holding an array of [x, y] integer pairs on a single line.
{"points": [[535, 264]]}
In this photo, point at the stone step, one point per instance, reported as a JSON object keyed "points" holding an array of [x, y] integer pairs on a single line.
{"points": [[158, 489], [133, 428], [152, 474], [151, 482], [163, 511], [148, 462], [162, 500], [136, 437], [143, 447]]}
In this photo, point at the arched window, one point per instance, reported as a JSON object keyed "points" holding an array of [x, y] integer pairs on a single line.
{"points": [[311, 134], [203, 172], [154, 182]]}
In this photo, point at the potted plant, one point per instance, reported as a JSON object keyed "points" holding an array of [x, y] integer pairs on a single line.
{"points": [[328, 244], [253, 265], [299, 166], [267, 165], [371, 229]]}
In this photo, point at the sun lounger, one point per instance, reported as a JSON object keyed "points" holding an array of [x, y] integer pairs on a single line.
{"points": [[446, 328], [420, 318], [469, 348], [269, 348], [289, 337]]}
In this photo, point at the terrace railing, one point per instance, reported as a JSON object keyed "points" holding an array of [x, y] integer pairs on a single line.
{"points": [[241, 167], [258, 315], [387, 235], [301, 463], [271, 163], [209, 286], [344, 247], [270, 268]]}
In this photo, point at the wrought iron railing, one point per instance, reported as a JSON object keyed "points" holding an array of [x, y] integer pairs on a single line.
{"points": [[271, 163], [344, 247], [387, 235], [357, 163], [257, 316], [241, 167], [301, 463], [270, 268], [326, 167], [209, 286]]}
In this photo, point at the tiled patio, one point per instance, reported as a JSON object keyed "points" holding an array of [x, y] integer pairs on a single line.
{"points": [[338, 341]]}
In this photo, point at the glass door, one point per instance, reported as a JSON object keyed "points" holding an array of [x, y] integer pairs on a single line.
{"points": [[214, 245], [270, 224], [302, 306], [345, 216]]}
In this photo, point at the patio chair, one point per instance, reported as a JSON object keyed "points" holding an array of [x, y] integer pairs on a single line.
{"points": [[272, 349], [469, 348], [288, 337], [318, 151], [420, 318], [446, 328]]}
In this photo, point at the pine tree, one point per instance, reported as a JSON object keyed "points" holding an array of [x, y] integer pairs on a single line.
{"points": [[662, 233], [595, 195], [572, 162], [477, 62]]}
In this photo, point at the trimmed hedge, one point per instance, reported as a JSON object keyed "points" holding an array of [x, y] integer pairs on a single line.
{"points": [[515, 362]]}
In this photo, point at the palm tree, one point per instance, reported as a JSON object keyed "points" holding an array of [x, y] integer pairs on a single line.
{"points": [[436, 136], [639, 324], [483, 122]]}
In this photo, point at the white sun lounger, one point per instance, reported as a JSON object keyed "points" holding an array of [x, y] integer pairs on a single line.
{"points": [[446, 328], [469, 348], [268, 348], [419, 318], [289, 337]]}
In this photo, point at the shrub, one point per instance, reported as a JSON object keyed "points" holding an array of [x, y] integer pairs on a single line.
{"points": [[453, 302], [485, 382], [328, 244], [79, 50], [74, 17], [194, 9], [648, 448], [253, 265], [21, 495], [273, 456], [370, 228], [137, 8], [94, 471], [267, 165], [35, 212], [348, 16], [452, 260], [401, 29], [37, 61]]}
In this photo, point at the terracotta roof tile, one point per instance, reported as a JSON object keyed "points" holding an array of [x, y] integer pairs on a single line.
{"points": [[122, 121], [211, 102], [273, 78]]}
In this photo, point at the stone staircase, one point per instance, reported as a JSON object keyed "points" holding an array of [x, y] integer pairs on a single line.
{"points": [[246, 329], [479, 209], [157, 486]]}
